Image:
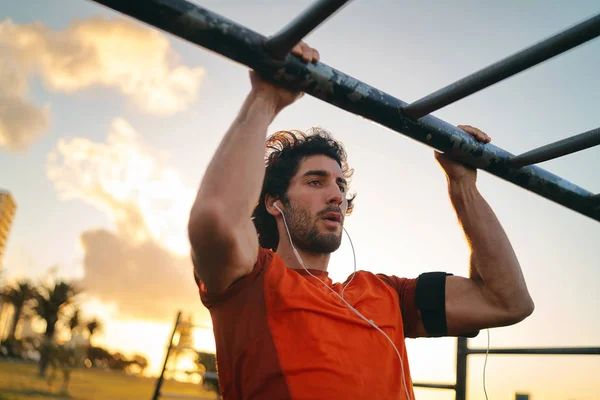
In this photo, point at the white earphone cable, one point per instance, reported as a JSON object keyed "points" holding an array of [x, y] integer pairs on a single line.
{"points": [[370, 322]]}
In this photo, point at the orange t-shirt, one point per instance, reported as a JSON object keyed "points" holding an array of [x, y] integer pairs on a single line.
{"points": [[280, 334]]}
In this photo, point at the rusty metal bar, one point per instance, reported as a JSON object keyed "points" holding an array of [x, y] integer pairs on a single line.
{"points": [[512, 65], [280, 44], [240, 44], [558, 149]]}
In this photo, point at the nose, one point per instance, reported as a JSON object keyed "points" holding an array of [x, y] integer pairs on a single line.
{"points": [[335, 196]]}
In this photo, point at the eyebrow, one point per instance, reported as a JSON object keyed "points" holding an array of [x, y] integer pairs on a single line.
{"points": [[323, 173]]}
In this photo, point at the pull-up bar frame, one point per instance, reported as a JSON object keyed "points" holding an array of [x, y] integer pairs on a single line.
{"points": [[240, 44]]}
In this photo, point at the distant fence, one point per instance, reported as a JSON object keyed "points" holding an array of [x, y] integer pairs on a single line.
{"points": [[463, 351]]}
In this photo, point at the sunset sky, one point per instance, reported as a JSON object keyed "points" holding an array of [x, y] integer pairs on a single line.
{"points": [[107, 126]]}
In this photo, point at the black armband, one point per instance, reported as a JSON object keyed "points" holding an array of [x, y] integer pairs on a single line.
{"points": [[430, 299]]}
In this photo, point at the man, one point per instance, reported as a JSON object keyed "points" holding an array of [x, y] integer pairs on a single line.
{"points": [[283, 329]]}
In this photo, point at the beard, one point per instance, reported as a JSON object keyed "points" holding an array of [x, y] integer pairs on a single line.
{"points": [[305, 234]]}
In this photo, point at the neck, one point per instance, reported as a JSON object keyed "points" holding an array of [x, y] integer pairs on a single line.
{"points": [[311, 260]]}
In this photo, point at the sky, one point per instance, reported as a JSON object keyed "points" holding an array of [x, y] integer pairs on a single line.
{"points": [[107, 126]]}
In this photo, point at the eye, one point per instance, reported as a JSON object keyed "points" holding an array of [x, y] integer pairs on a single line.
{"points": [[342, 189], [314, 182]]}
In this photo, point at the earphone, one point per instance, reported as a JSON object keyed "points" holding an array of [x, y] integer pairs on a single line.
{"points": [[369, 321]]}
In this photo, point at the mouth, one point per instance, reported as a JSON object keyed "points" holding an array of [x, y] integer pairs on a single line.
{"points": [[333, 217]]}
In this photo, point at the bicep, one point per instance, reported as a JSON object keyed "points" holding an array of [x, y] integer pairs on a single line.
{"points": [[469, 308], [222, 254]]}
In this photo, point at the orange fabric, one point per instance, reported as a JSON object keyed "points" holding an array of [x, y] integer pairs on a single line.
{"points": [[280, 334]]}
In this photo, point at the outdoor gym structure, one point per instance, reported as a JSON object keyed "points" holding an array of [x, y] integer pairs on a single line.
{"points": [[270, 56]]}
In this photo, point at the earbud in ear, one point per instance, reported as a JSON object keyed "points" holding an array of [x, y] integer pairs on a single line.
{"points": [[277, 207]]}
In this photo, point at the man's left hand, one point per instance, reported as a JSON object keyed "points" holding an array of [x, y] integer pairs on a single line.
{"points": [[456, 171]]}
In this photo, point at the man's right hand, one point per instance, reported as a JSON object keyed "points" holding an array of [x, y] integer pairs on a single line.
{"points": [[279, 96]]}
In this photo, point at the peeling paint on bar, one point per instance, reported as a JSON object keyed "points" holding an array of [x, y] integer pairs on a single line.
{"points": [[218, 34]]}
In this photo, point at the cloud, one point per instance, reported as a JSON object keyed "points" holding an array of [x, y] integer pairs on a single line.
{"points": [[144, 265], [115, 53], [145, 280], [129, 181], [21, 122]]}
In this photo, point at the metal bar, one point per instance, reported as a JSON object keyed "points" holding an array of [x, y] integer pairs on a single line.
{"points": [[184, 396], [541, 351], [283, 41], [512, 65], [461, 368], [160, 379], [434, 385], [558, 149], [240, 44]]}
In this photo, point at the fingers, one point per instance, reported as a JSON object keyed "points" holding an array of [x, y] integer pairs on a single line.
{"points": [[307, 53], [476, 133]]}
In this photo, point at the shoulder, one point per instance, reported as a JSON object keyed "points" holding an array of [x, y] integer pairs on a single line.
{"points": [[254, 278]]}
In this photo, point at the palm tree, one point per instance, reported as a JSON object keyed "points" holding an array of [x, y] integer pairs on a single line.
{"points": [[50, 303], [93, 326], [74, 321], [18, 296]]}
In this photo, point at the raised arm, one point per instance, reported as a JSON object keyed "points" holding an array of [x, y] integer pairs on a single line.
{"points": [[495, 293], [222, 235]]}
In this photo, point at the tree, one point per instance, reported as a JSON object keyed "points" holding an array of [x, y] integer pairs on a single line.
{"points": [[50, 303], [74, 321], [93, 326], [18, 296]]}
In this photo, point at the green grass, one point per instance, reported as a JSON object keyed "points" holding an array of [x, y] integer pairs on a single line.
{"points": [[20, 381]]}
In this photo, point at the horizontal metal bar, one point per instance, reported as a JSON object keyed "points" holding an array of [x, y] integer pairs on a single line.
{"points": [[434, 385], [283, 41], [512, 65], [540, 351], [240, 44], [184, 396], [558, 149]]}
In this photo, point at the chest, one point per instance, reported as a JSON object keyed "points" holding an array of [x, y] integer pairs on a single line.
{"points": [[314, 304]]}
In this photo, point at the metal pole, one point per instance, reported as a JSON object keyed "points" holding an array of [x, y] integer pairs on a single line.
{"points": [[507, 67], [283, 41], [558, 149], [541, 351], [162, 373], [461, 368], [244, 46]]}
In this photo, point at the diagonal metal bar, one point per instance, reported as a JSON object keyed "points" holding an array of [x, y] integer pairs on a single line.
{"points": [[512, 65], [283, 41], [238, 43], [558, 149]]}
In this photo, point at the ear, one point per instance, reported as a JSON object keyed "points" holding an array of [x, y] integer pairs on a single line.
{"points": [[270, 205]]}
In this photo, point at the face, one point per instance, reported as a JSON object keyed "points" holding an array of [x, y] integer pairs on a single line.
{"points": [[316, 205]]}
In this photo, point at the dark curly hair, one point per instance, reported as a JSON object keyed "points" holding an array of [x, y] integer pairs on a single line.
{"points": [[285, 151]]}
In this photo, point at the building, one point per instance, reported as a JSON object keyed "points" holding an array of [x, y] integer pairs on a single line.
{"points": [[7, 214]]}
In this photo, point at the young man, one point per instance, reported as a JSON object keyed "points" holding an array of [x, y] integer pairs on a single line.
{"points": [[283, 329]]}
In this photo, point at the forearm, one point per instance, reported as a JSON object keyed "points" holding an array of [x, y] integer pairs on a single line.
{"points": [[234, 177], [494, 264]]}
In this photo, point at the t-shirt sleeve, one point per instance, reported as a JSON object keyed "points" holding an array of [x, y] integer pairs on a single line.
{"points": [[406, 289], [210, 299]]}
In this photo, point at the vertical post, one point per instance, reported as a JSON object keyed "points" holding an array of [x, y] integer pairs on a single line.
{"points": [[162, 373], [461, 368]]}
